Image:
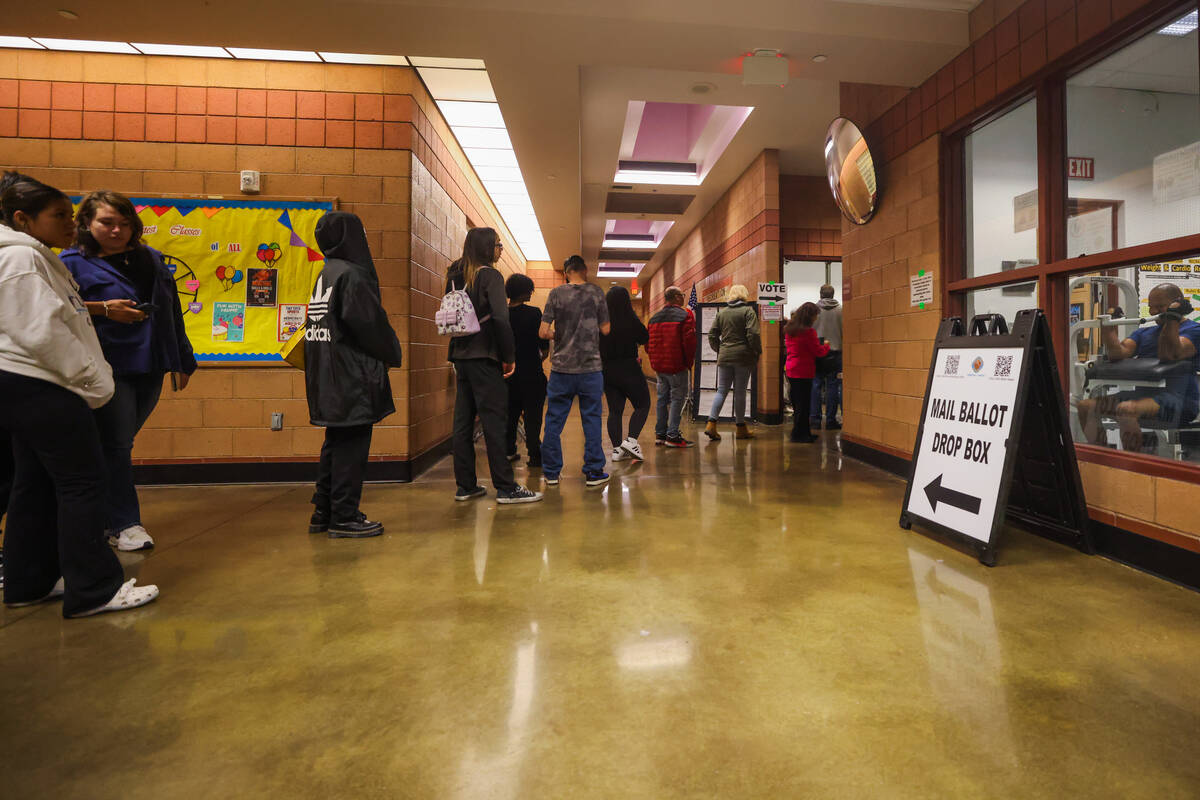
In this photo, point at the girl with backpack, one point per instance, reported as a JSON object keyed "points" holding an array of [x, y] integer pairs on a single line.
{"points": [[623, 377], [803, 350], [482, 361]]}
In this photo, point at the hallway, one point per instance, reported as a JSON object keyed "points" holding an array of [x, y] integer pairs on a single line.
{"points": [[742, 619]]}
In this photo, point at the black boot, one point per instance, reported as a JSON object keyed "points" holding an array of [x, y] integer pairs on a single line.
{"points": [[358, 528], [319, 522]]}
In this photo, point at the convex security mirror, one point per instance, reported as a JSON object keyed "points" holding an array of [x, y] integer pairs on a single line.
{"points": [[851, 171]]}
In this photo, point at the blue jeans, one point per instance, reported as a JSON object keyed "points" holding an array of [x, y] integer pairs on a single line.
{"points": [[560, 394], [672, 391], [827, 387], [119, 421], [738, 377]]}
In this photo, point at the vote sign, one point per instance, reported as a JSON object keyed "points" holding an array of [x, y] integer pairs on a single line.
{"points": [[771, 292], [960, 460]]}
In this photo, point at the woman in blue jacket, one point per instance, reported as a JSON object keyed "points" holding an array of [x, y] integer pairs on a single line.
{"points": [[132, 297]]}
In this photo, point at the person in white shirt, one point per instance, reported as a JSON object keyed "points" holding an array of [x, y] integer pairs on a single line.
{"points": [[52, 374]]}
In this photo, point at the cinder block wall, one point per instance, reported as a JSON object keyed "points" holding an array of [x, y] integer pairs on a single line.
{"points": [[181, 127]]}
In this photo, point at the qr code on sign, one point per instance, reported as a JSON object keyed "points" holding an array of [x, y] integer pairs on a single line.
{"points": [[951, 365], [1003, 366]]}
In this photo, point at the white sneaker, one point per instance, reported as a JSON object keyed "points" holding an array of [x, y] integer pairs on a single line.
{"points": [[132, 538], [127, 597], [57, 591], [619, 454], [632, 449]]}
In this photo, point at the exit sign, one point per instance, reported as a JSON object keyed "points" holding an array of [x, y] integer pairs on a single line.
{"points": [[1081, 169]]}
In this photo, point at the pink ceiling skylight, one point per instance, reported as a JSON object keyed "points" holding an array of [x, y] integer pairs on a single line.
{"points": [[675, 143], [635, 234]]}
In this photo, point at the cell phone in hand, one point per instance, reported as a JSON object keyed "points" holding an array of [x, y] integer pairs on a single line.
{"points": [[146, 308]]}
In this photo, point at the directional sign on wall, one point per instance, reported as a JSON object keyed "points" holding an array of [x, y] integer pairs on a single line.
{"points": [[772, 292], [994, 438]]}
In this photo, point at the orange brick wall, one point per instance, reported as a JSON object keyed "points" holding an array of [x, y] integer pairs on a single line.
{"points": [[179, 127], [810, 225], [737, 241]]}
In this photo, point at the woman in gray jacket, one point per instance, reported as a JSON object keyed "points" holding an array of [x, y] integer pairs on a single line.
{"points": [[735, 337], [52, 373]]}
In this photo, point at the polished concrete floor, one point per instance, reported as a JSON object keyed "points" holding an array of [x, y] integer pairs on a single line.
{"points": [[739, 620]]}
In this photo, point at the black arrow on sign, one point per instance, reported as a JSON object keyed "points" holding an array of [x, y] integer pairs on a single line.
{"points": [[936, 493]]}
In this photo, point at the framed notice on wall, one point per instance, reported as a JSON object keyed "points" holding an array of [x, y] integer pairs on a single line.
{"points": [[704, 370], [244, 269]]}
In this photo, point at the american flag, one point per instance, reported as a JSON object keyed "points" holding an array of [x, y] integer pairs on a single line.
{"points": [[692, 300]]}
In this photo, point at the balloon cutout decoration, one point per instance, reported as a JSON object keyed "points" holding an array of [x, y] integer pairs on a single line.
{"points": [[228, 276], [269, 253]]}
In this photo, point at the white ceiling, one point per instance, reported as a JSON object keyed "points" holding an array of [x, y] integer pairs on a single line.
{"points": [[564, 71]]}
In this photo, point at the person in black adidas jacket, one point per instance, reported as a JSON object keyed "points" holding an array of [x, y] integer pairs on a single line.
{"points": [[349, 345]]}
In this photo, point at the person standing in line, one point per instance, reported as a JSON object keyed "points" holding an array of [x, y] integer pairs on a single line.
{"points": [[527, 386], [827, 383], [52, 375], [579, 315], [672, 351], [623, 376], [735, 338], [348, 346], [482, 361], [803, 350], [132, 295]]}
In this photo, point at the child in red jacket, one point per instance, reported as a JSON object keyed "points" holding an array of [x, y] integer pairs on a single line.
{"points": [[803, 350]]}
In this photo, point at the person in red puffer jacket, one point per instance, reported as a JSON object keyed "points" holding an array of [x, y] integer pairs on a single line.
{"points": [[803, 350], [672, 351]]}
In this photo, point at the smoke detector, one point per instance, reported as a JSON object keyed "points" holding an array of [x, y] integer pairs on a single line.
{"points": [[764, 67], [703, 87]]}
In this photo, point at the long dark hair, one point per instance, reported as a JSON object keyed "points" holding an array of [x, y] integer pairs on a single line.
{"points": [[803, 317], [22, 193], [87, 212], [620, 309], [479, 250]]}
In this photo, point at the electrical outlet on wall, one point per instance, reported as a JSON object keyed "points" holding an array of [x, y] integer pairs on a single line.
{"points": [[276, 420]]}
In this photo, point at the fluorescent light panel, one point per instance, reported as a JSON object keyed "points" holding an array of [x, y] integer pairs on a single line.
{"points": [[86, 45], [659, 178], [273, 55], [481, 157], [630, 244], [190, 50], [491, 138], [499, 173], [1182, 26], [23, 42], [451, 63], [468, 114], [362, 58]]}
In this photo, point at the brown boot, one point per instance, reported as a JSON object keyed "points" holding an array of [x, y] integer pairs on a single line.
{"points": [[710, 430], [743, 432]]}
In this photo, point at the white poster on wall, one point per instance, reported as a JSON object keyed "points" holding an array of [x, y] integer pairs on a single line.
{"points": [[1090, 233], [1177, 174], [708, 376], [1025, 211]]}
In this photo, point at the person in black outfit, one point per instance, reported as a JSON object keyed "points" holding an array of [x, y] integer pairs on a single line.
{"points": [[527, 386], [6, 476], [349, 345], [623, 377], [481, 363]]}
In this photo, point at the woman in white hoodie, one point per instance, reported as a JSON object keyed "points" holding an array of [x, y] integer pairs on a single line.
{"points": [[52, 373]]}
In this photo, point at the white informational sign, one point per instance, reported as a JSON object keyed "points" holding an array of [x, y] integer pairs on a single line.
{"points": [[958, 468], [706, 351], [772, 291], [1025, 211], [291, 318], [772, 312], [920, 289], [1177, 174], [1090, 233], [707, 317], [708, 376]]}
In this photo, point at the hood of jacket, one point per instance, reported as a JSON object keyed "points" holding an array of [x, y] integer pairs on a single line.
{"points": [[735, 303], [10, 238], [340, 235], [827, 303]]}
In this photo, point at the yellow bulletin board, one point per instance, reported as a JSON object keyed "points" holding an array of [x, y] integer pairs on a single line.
{"points": [[244, 270]]}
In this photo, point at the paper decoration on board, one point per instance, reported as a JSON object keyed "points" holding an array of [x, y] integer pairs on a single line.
{"points": [[292, 317], [229, 322], [269, 254], [285, 219], [228, 276], [263, 289]]}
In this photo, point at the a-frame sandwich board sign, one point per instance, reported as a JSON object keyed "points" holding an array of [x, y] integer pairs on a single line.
{"points": [[994, 438]]}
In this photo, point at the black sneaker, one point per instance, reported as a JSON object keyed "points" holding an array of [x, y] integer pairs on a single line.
{"points": [[596, 478], [470, 494], [679, 441], [518, 495], [659, 441], [360, 528], [319, 522]]}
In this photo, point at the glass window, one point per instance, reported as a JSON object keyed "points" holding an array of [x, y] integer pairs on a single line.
{"points": [[1133, 144], [1130, 389], [1003, 300], [1001, 193]]}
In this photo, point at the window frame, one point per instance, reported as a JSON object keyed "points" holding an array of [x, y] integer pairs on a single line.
{"points": [[1054, 270]]}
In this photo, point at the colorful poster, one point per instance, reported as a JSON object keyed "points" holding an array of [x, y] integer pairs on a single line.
{"points": [[292, 317], [216, 248], [1184, 273], [263, 289], [229, 322]]}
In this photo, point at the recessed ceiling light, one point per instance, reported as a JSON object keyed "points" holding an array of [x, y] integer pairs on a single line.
{"points": [[66, 13], [273, 55], [703, 87], [85, 45], [1182, 26], [23, 42], [363, 58], [820, 59], [194, 51]]}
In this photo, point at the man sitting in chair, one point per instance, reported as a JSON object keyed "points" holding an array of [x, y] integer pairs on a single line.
{"points": [[1174, 338]]}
